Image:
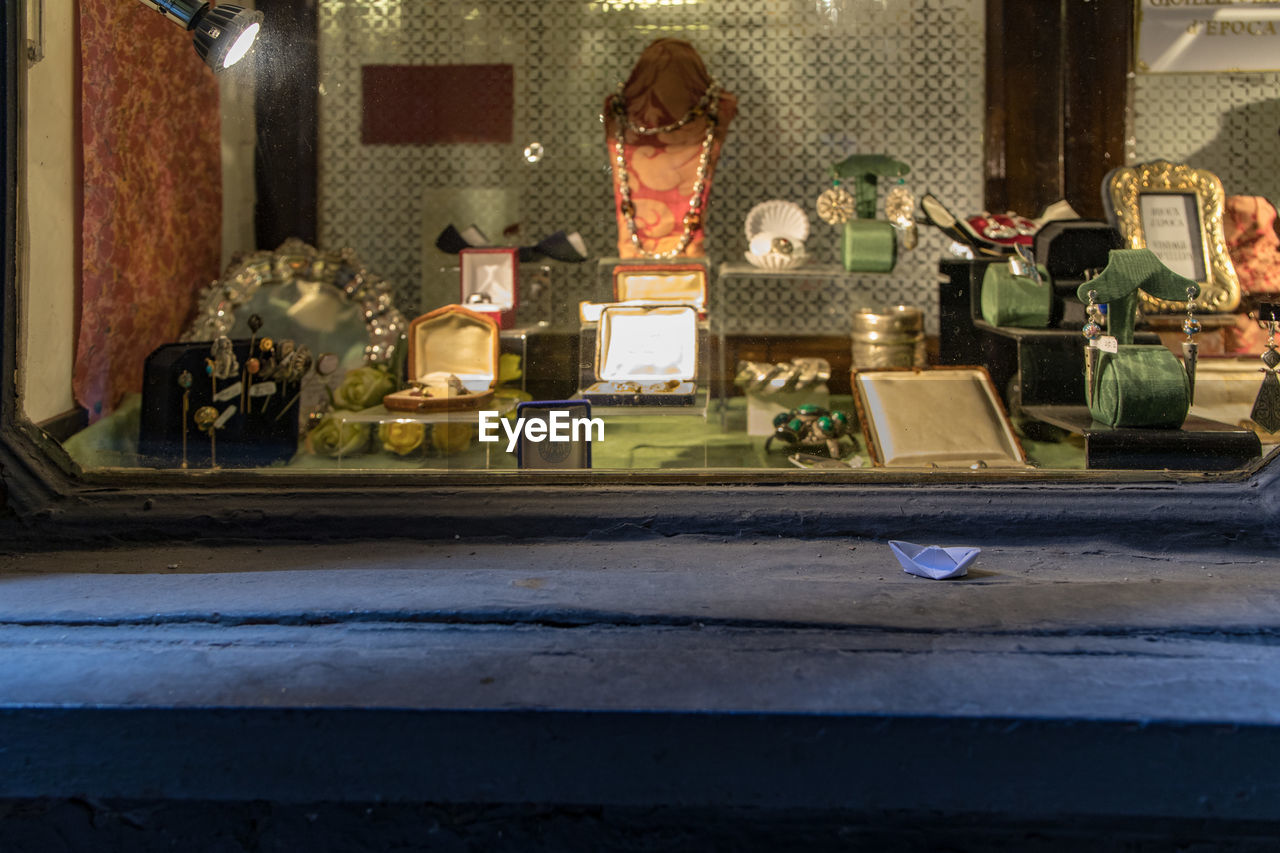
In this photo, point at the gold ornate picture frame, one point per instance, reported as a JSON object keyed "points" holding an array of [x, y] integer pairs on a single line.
{"points": [[1176, 211]]}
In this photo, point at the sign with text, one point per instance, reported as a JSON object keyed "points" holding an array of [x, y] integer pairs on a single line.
{"points": [[1208, 35], [1171, 226]]}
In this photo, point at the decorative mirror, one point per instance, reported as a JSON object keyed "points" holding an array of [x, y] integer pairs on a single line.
{"points": [[1176, 212], [326, 300]]}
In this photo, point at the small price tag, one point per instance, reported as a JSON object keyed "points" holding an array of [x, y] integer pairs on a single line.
{"points": [[262, 389], [228, 393], [1108, 343], [225, 416]]}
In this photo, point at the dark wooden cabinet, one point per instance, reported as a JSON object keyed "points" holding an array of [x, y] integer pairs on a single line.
{"points": [[1057, 95]]}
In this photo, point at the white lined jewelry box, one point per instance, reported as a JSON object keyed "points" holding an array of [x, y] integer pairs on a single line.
{"points": [[452, 341], [645, 355], [490, 283]]}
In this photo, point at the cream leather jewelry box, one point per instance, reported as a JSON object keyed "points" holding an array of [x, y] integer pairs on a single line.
{"points": [[945, 417], [645, 355], [491, 283], [452, 362], [661, 284]]}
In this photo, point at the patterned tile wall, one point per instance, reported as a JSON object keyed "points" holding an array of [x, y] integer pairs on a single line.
{"points": [[1226, 123], [897, 76]]}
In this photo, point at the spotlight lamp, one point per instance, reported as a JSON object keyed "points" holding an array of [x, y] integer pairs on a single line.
{"points": [[222, 34]]}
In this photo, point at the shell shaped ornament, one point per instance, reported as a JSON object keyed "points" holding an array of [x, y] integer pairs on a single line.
{"points": [[775, 252], [778, 218], [774, 260], [835, 206]]}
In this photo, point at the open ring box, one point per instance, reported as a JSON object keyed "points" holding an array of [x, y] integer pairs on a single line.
{"points": [[449, 341], [491, 283], [645, 355]]}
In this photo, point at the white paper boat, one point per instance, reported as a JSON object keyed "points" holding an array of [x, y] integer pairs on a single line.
{"points": [[933, 561]]}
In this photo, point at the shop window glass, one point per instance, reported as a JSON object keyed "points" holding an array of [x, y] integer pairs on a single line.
{"points": [[478, 179]]}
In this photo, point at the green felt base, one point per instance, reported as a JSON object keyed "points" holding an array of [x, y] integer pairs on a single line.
{"points": [[870, 245], [1140, 386], [632, 442]]}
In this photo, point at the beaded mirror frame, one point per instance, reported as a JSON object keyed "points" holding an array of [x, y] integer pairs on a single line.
{"points": [[338, 274]]}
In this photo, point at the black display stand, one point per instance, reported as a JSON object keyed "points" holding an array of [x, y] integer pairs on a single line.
{"points": [[1040, 374], [244, 441], [1200, 445], [1048, 363]]}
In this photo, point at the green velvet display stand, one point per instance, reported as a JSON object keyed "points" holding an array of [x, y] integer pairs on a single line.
{"points": [[870, 244], [1138, 385], [1014, 300]]}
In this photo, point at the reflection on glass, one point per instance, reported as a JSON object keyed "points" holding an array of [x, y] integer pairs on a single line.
{"points": [[811, 95]]}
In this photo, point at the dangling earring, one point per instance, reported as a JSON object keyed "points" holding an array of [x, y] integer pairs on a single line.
{"points": [[1092, 331], [1266, 408], [1190, 349], [835, 206], [899, 208]]}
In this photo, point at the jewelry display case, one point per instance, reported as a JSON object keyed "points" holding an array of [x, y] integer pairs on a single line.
{"points": [[251, 429], [663, 324], [805, 302]]}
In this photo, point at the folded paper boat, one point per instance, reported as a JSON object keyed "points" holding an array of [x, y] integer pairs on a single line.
{"points": [[933, 561]]}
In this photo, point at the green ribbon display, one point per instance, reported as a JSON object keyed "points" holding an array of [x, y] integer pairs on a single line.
{"points": [[1137, 386], [870, 245], [1014, 300]]}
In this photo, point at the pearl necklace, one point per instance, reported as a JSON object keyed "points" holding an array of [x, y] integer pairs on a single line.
{"points": [[707, 105]]}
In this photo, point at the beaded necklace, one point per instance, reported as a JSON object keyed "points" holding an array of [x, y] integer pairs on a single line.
{"points": [[708, 105]]}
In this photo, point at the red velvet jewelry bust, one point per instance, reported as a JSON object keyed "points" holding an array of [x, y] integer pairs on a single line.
{"points": [[674, 118]]}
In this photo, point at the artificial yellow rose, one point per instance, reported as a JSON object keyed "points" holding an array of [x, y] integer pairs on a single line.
{"points": [[452, 437], [363, 387], [509, 368], [332, 438], [401, 437]]}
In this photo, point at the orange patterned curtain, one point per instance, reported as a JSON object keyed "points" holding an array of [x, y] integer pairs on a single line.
{"points": [[152, 193]]}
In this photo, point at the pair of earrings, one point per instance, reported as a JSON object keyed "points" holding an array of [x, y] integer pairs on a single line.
{"points": [[837, 206], [1191, 326]]}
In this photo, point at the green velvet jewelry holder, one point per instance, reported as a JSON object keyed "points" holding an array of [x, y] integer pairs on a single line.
{"points": [[1015, 300], [1138, 385], [870, 244]]}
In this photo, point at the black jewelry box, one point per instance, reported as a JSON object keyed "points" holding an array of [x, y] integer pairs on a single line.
{"points": [[1070, 247], [244, 440]]}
